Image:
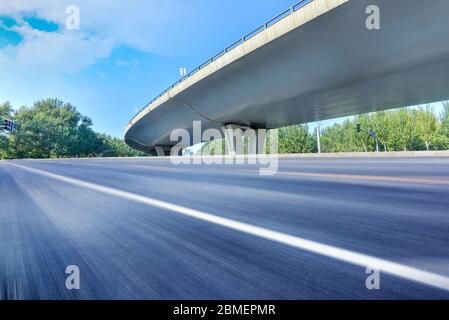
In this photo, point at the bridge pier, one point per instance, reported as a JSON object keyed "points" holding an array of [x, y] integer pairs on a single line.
{"points": [[162, 151], [234, 138], [256, 141]]}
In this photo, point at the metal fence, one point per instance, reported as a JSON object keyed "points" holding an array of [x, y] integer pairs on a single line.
{"points": [[245, 38]]}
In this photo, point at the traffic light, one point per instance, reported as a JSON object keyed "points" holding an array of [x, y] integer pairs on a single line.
{"points": [[5, 124], [8, 125], [358, 128]]}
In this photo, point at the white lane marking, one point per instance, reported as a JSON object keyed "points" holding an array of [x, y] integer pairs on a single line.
{"points": [[355, 258], [342, 176]]}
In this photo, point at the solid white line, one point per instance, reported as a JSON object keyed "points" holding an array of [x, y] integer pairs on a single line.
{"points": [[355, 258], [342, 176]]}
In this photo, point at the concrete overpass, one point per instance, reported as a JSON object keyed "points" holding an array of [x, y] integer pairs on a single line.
{"points": [[315, 61]]}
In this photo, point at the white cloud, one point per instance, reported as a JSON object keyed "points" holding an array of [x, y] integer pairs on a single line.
{"points": [[63, 63], [62, 52], [143, 25], [42, 63]]}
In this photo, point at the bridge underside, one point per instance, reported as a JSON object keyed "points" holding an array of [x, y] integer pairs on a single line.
{"points": [[329, 67]]}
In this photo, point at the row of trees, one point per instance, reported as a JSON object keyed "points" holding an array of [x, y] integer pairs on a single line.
{"points": [[53, 129], [397, 130]]}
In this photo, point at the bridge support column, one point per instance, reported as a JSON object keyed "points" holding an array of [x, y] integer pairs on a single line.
{"points": [[234, 138], [162, 152], [256, 141]]}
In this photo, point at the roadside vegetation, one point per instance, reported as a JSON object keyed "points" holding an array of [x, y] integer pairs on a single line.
{"points": [[54, 129], [405, 129]]}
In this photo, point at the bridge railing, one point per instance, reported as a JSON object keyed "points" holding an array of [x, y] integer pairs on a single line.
{"points": [[245, 38]]}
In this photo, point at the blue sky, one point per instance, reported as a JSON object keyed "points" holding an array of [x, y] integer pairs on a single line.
{"points": [[125, 53]]}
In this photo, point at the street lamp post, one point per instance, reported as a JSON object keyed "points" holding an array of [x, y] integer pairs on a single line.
{"points": [[318, 141]]}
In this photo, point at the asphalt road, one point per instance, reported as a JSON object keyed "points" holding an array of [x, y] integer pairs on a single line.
{"points": [[147, 229]]}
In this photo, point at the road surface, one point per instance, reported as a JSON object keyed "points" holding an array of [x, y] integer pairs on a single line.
{"points": [[147, 229]]}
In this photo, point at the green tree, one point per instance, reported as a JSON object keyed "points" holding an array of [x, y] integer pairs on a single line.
{"points": [[382, 125], [404, 131], [296, 139], [426, 125], [343, 137], [46, 130], [52, 129], [441, 140], [363, 140], [114, 147]]}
